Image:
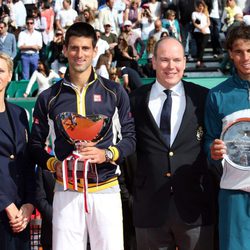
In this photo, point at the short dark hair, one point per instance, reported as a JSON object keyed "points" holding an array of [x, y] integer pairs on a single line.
{"points": [[29, 18], [241, 31], [80, 29], [4, 23]]}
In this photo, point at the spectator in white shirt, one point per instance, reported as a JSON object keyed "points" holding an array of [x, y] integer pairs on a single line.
{"points": [[102, 47], [155, 9], [18, 14], [29, 43], [66, 16], [108, 13]]}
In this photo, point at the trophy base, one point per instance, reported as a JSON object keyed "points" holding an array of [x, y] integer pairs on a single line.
{"points": [[92, 170]]}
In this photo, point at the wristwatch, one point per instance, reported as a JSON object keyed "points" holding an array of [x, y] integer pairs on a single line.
{"points": [[108, 155]]}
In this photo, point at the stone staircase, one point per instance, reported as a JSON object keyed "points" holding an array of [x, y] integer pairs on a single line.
{"points": [[212, 66]]}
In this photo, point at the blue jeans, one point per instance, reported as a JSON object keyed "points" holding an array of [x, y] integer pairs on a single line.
{"points": [[29, 64]]}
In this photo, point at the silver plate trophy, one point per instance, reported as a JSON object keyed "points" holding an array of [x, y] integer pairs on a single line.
{"points": [[237, 139], [80, 130]]}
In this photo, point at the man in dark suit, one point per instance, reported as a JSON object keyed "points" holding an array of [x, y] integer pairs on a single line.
{"points": [[173, 199]]}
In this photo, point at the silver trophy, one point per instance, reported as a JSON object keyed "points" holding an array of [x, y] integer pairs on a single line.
{"points": [[237, 139]]}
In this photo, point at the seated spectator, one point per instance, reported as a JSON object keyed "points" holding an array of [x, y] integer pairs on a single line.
{"points": [[133, 14], [66, 16], [102, 66], [18, 16], [155, 9], [158, 29], [88, 4], [123, 53], [131, 79], [230, 10], [150, 47], [4, 12], [40, 25], [113, 75], [172, 24], [62, 71], [108, 36], [43, 76], [134, 40], [102, 48], [7, 41], [164, 34], [147, 23], [48, 13], [57, 58], [89, 16], [108, 12], [148, 69]]}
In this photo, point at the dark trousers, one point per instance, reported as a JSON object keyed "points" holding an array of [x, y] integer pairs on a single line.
{"points": [[215, 35], [175, 233], [11, 241], [201, 43]]}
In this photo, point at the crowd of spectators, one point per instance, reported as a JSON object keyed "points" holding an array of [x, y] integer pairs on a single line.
{"points": [[123, 26]]}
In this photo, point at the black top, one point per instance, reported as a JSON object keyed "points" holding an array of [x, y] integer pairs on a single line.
{"points": [[133, 78]]}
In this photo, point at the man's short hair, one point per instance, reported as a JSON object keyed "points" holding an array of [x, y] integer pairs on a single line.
{"points": [[29, 18], [241, 31], [81, 29], [68, 1], [157, 44], [4, 23]]}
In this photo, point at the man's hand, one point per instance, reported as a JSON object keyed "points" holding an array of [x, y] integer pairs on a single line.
{"points": [[20, 222], [58, 169], [93, 154], [218, 149]]}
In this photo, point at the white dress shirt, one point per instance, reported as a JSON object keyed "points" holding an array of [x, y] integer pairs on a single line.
{"points": [[30, 38], [156, 100]]}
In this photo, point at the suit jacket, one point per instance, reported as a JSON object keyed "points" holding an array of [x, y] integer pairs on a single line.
{"points": [[45, 183], [9, 45], [16, 170], [190, 179]]}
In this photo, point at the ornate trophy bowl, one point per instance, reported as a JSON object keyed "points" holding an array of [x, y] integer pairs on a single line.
{"points": [[80, 130], [77, 128], [237, 139]]}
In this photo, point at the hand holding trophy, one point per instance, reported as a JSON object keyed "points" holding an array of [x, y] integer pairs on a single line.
{"points": [[82, 131]]}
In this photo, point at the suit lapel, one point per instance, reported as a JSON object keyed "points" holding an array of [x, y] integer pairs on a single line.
{"points": [[12, 118], [188, 113], [150, 117]]}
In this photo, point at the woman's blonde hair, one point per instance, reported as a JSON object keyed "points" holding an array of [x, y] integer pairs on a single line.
{"points": [[8, 61], [113, 71], [205, 11]]}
